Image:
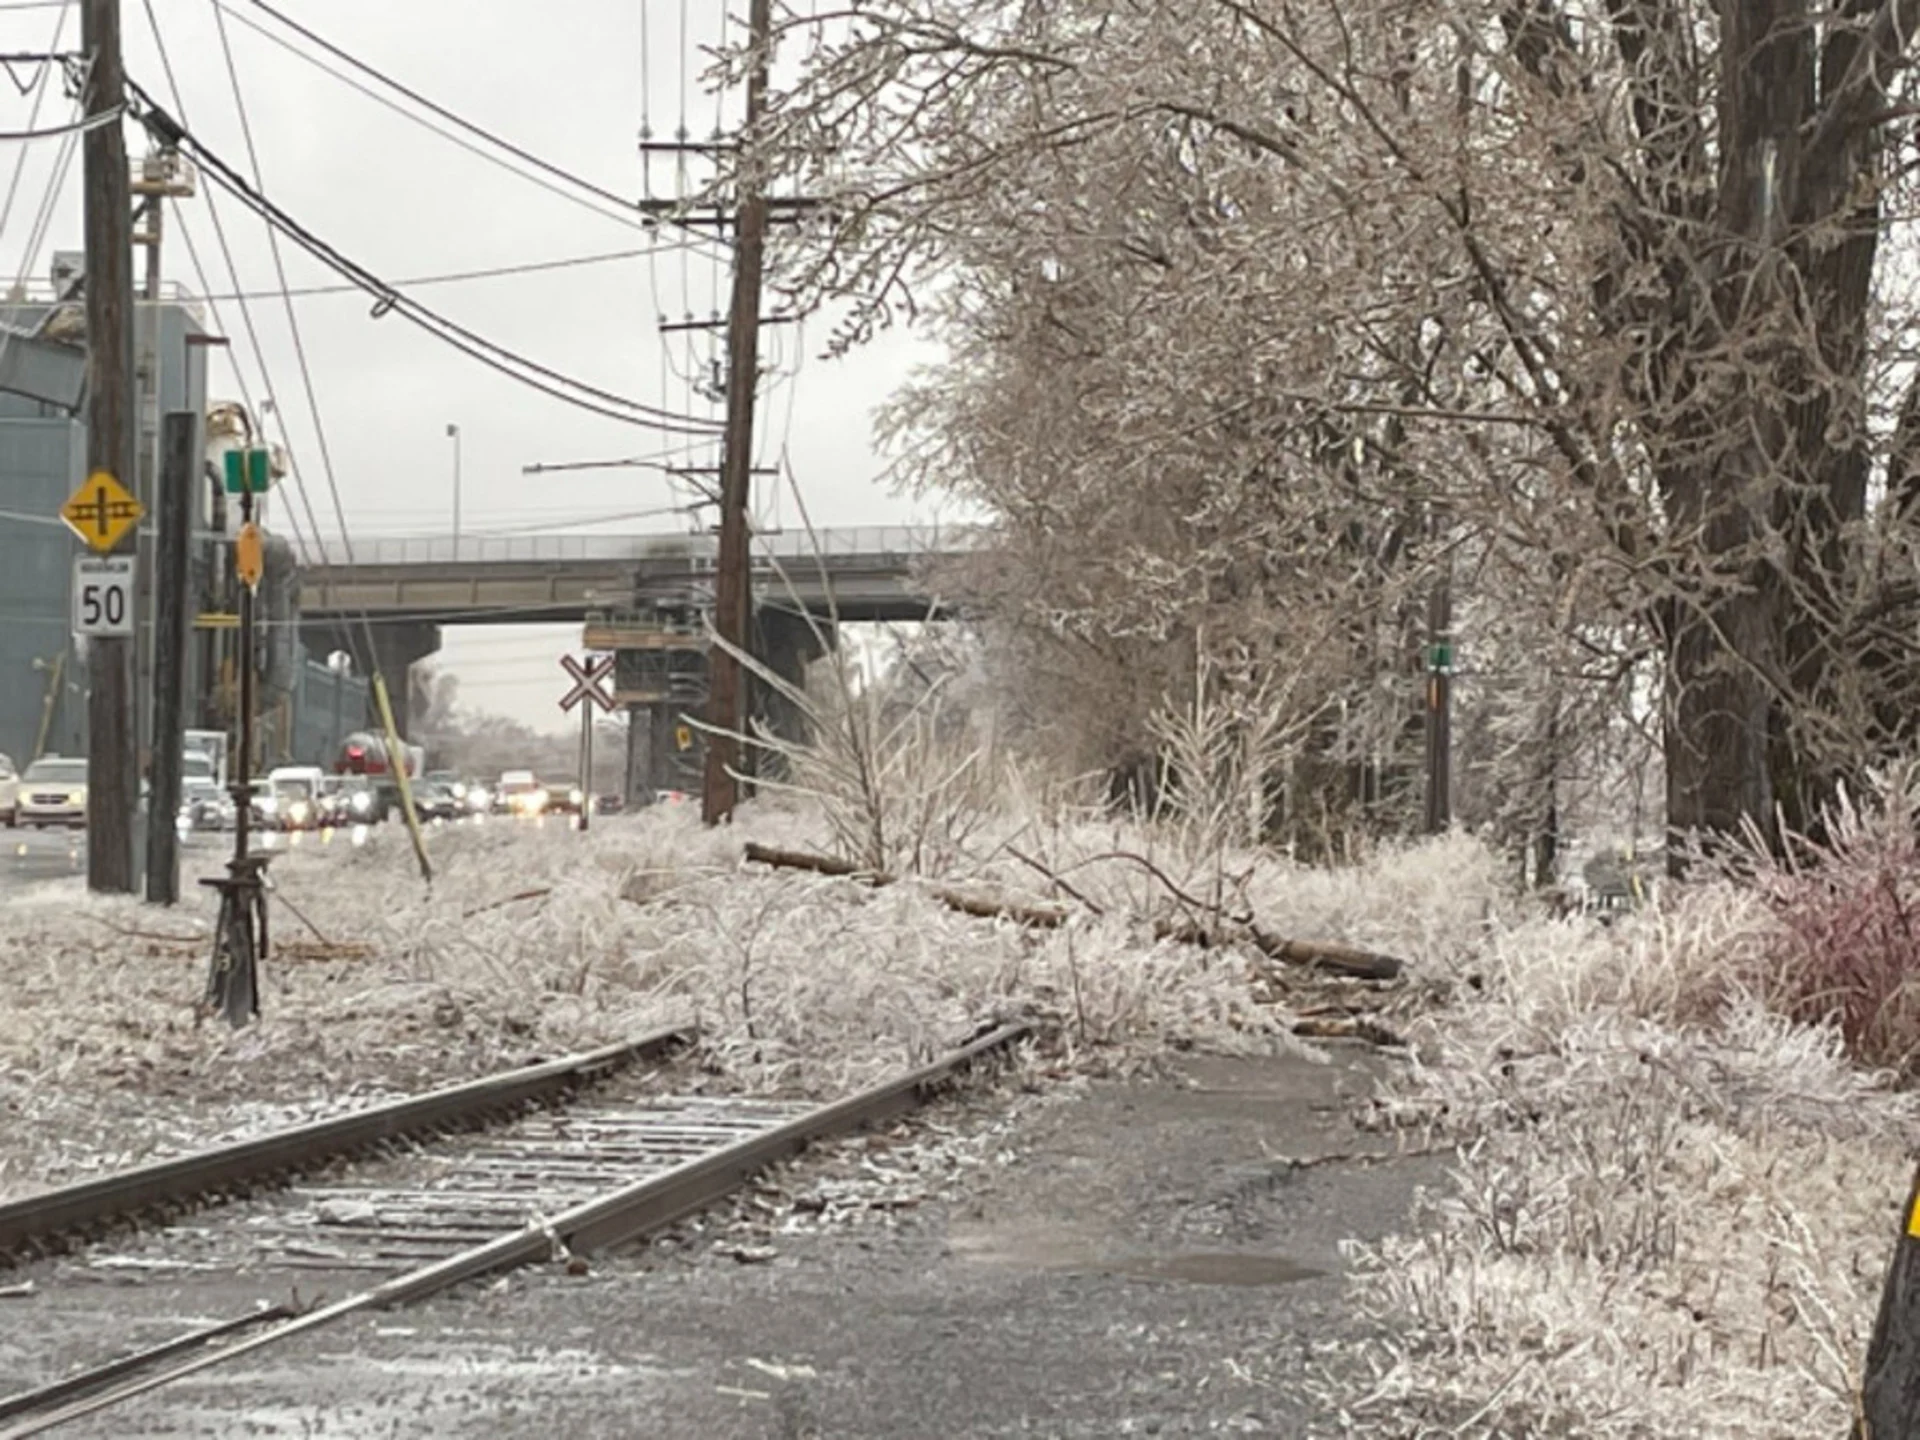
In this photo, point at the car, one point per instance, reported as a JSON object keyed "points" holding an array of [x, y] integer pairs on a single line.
{"points": [[452, 781], [263, 806], [9, 791], [204, 806], [433, 800], [350, 800], [54, 792], [564, 799], [198, 766], [519, 793], [295, 790]]}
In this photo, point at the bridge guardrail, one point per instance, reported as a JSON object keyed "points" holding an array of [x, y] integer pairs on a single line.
{"points": [[790, 548]]}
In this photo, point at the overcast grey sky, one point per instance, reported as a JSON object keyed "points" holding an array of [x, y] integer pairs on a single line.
{"points": [[572, 81]]}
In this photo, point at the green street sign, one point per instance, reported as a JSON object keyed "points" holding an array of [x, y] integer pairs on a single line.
{"points": [[1440, 658], [248, 472]]}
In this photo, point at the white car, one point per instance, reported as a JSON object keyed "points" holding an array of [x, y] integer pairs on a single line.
{"points": [[9, 791], [54, 792]]}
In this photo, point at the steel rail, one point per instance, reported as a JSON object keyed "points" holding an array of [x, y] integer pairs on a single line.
{"points": [[623, 1215], [192, 1178], [92, 1379]]}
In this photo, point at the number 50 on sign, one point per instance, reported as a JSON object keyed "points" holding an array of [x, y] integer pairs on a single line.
{"points": [[103, 595]]}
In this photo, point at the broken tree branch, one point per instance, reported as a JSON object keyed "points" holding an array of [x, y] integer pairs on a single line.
{"points": [[1333, 959], [1039, 917]]}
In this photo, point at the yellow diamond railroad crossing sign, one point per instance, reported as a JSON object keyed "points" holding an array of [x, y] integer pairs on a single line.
{"points": [[101, 511]]}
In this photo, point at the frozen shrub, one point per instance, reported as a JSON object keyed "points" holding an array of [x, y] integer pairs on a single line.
{"points": [[1844, 945]]}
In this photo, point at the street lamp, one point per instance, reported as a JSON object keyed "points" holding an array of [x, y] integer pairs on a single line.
{"points": [[453, 434]]}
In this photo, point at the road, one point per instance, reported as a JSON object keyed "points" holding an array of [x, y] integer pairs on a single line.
{"points": [[32, 856]]}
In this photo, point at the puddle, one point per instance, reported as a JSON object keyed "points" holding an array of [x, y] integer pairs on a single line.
{"points": [[1064, 1250], [1215, 1267]]}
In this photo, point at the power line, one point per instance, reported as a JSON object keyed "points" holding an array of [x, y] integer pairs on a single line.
{"points": [[246, 310], [75, 127], [389, 298], [632, 215], [518, 152], [293, 320], [20, 168], [451, 277]]}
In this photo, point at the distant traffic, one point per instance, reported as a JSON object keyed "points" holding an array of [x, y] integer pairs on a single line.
{"points": [[360, 790]]}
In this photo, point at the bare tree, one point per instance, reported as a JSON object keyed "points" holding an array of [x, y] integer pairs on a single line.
{"points": [[1260, 313]]}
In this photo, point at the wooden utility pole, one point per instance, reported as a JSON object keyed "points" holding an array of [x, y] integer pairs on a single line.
{"points": [[112, 782], [733, 584]]}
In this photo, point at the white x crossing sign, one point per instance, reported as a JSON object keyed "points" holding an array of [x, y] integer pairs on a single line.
{"points": [[587, 676]]}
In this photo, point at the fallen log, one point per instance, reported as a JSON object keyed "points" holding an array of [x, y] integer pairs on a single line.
{"points": [[1038, 917], [1347, 961]]}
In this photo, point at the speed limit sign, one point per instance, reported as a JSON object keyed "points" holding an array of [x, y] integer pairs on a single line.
{"points": [[103, 595]]}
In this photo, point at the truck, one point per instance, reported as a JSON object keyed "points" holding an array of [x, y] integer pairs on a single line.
{"points": [[365, 753], [205, 756]]}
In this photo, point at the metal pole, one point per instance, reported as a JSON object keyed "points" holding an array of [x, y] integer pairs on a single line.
{"points": [[586, 761], [1439, 706], [175, 496], [453, 433], [733, 598], [112, 784], [242, 773]]}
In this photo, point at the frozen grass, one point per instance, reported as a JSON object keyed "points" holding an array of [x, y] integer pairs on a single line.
{"points": [[535, 942], [1671, 1205]]}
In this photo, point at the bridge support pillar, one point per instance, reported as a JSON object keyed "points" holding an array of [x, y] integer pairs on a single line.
{"points": [[656, 759], [788, 642], [397, 647]]}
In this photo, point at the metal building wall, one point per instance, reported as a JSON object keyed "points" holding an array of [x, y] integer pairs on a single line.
{"points": [[326, 709], [41, 461]]}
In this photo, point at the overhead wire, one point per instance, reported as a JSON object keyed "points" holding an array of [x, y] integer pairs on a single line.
{"points": [[390, 299], [451, 277], [627, 213], [246, 312], [71, 128], [40, 88], [293, 316], [57, 176], [518, 152]]}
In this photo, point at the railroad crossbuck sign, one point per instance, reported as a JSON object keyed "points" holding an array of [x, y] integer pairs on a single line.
{"points": [[586, 681], [101, 511]]}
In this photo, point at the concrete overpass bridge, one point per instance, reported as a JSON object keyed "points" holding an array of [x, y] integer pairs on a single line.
{"points": [[642, 593]]}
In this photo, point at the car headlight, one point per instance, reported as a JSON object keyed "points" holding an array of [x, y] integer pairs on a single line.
{"points": [[79, 795], [362, 802], [574, 796], [297, 811]]}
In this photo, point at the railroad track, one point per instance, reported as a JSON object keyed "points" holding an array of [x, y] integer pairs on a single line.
{"points": [[556, 1184]]}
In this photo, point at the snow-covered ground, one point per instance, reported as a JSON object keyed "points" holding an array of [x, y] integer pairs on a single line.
{"points": [[533, 942], [1670, 1206]]}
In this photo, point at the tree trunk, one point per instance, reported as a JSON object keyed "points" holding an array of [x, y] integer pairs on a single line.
{"points": [[1717, 721]]}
